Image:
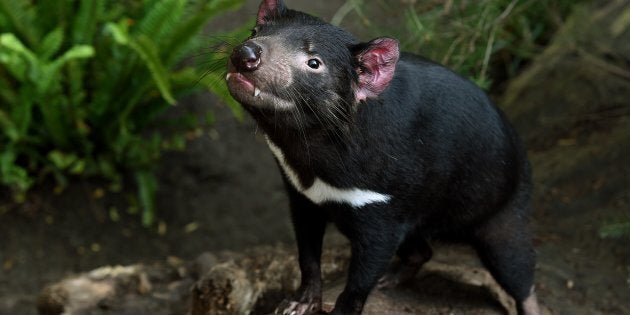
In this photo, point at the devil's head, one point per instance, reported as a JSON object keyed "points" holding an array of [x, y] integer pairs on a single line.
{"points": [[303, 71]]}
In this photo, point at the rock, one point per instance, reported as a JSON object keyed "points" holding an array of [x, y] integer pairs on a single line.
{"points": [[254, 282], [257, 282], [225, 289], [136, 289]]}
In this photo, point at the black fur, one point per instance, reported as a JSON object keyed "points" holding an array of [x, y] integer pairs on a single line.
{"points": [[452, 164]]}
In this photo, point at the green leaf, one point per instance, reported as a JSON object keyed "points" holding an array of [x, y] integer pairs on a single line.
{"points": [[86, 21], [51, 44], [61, 160], [21, 18], [216, 7], [184, 79], [48, 76], [147, 188], [8, 128], [12, 174], [161, 19], [215, 82], [7, 90], [148, 52], [120, 32], [11, 42], [77, 52], [190, 28], [22, 113], [77, 89], [56, 121], [145, 48], [66, 112], [106, 168], [15, 65], [615, 230], [78, 167], [4, 23]]}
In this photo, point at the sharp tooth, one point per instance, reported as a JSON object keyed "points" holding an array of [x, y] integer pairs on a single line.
{"points": [[256, 91], [227, 77]]}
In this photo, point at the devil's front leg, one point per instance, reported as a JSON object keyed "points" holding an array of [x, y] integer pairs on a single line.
{"points": [[309, 223]]}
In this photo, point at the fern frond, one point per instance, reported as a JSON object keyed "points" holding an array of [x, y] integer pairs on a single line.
{"points": [[51, 44], [55, 121], [145, 48], [52, 14], [147, 188], [76, 52], [76, 87], [187, 30], [12, 174], [20, 15], [49, 72], [8, 127], [183, 80], [161, 20], [214, 82], [20, 61], [615, 230], [22, 112], [7, 90], [86, 21], [4, 23], [85, 25]]}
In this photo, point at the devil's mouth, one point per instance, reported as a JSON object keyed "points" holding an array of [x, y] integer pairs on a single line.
{"points": [[244, 89], [241, 84]]}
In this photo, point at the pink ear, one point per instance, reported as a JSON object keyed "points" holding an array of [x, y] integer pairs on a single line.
{"points": [[268, 9], [377, 64]]}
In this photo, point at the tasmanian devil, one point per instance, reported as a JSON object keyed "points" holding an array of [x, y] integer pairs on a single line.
{"points": [[392, 148]]}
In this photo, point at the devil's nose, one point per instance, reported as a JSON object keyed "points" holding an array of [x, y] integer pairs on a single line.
{"points": [[246, 56]]}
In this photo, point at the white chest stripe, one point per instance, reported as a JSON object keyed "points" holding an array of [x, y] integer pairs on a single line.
{"points": [[321, 191]]}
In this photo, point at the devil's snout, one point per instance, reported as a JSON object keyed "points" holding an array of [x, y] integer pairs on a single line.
{"points": [[246, 56]]}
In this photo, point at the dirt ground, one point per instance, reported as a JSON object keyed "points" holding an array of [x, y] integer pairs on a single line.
{"points": [[224, 192]]}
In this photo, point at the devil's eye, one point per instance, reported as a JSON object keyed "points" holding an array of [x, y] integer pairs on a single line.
{"points": [[313, 63], [254, 31]]}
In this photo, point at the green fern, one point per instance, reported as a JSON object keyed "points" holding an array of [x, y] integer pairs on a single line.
{"points": [[146, 49], [161, 20], [188, 30], [472, 37], [7, 93], [213, 80], [11, 173], [615, 230], [86, 21], [51, 44], [8, 127], [20, 17], [81, 80]]}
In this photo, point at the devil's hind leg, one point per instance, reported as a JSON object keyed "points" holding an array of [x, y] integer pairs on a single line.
{"points": [[412, 254], [504, 244]]}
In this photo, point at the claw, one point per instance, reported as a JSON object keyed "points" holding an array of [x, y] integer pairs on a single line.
{"points": [[296, 308]]}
